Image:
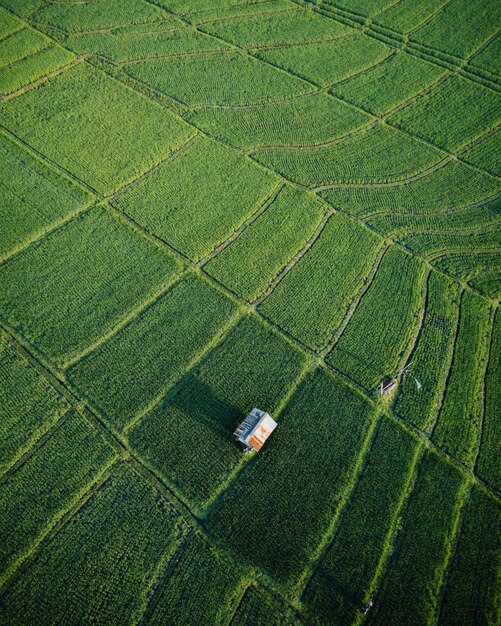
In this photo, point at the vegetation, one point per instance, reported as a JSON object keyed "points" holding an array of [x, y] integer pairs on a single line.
{"points": [[208, 206]]}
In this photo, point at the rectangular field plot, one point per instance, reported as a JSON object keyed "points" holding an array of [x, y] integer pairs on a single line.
{"points": [[43, 488], [196, 201], [383, 323], [22, 7], [281, 123], [24, 42], [202, 588], [457, 429], [123, 46], [407, 15], [432, 354], [189, 437], [224, 78], [82, 118], [485, 154], [472, 589], [461, 27], [276, 29], [475, 109], [33, 67], [366, 156], [33, 198], [258, 606], [488, 57], [210, 10], [298, 481], [8, 23], [29, 406], [84, 16], [440, 191], [488, 466], [99, 567], [249, 263], [435, 244], [312, 299], [389, 83], [410, 589], [67, 290], [127, 372], [328, 62], [341, 584]]}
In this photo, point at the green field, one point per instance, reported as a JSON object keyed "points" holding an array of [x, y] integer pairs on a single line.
{"points": [[210, 206]]}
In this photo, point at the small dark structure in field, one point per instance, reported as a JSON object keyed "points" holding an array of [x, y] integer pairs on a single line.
{"points": [[255, 430], [387, 386]]}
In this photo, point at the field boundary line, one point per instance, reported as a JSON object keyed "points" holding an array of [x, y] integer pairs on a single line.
{"points": [[218, 338], [356, 299], [295, 259], [56, 524], [125, 321], [263, 207], [344, 499]]}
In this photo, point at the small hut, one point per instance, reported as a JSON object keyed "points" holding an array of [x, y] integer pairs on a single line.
{"points": [[387, 386], [255, 430]]}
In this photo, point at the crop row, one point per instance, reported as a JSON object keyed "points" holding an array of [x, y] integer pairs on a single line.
{"points": [[341, 584], [451, 186], [40, 490], [29, 406], [33, 198], [195, 201], [312, 299], [280, 123], [101, 117], [370, 348], [248, 264], [228, 77], [100, 565], [68, 289], [460, 417], [472, 591], [488, 459], [127, 372], [298, 482], [365, 157], [201, 589], [475, 108], [420, 390], [411, 585], [188, 439]]}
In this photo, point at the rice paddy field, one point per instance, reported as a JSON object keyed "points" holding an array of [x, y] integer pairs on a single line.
{"points": [[208, 206]]}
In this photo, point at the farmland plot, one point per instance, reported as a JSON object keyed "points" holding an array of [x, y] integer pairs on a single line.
{"points": [[298, 482], [210, 10], [382, 325], [460, 417], [488, 57], [451, 186], [189, 439], [225, 78], [82, 116], [340, 586], [259, 608], [431, 356], [8, 24], [195, 201], [326, 63], [250, 262], [434, 244], [409, 594], [367, 156], [86, 16], [29, 405], [485, 154], [280, 123], [33, 197], [407, 15], [312, 299], [476, 109], [22, 7], [388, 84], [22, 43], [40, 490], [100, 565], [471, 592], [67, 290], [202, 588], [124, 46], [362, 7], [127, 372], [488, 283]]}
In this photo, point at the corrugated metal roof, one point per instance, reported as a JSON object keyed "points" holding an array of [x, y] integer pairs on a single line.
{"points": [[255, 429]]}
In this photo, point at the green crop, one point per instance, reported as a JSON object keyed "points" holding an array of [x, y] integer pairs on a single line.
{"points": [[485, 154]]}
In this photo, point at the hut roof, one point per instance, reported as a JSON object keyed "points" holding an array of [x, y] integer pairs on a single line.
{"points": [[255, 429]]}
